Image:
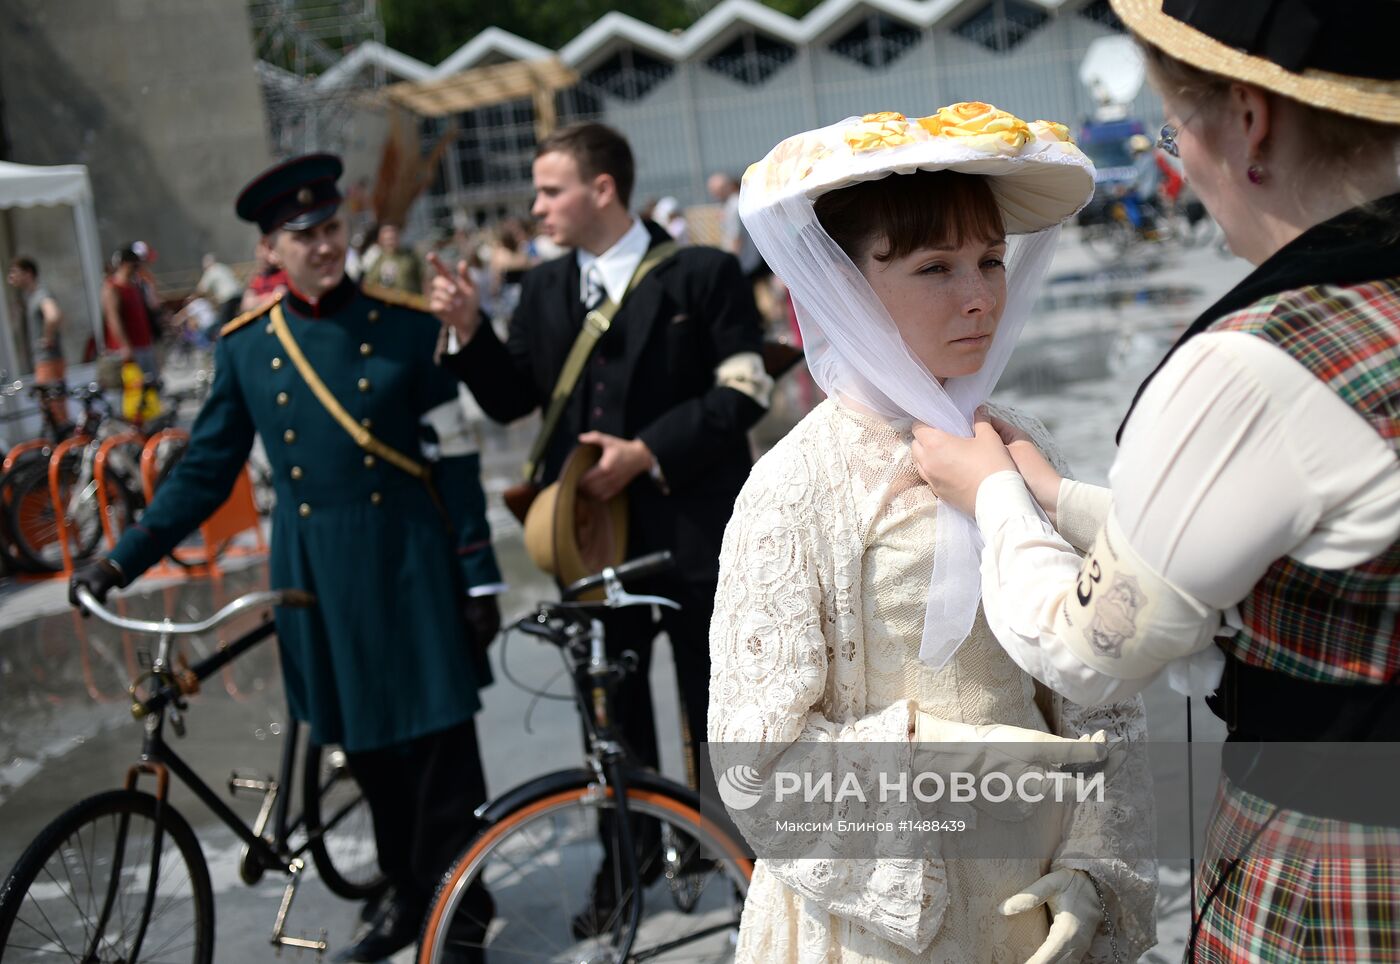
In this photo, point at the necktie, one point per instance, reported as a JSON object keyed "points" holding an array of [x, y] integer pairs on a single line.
{"points": [[592, 291]]}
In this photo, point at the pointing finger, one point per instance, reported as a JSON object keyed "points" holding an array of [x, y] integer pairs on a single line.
{"points": [[438, 266]]}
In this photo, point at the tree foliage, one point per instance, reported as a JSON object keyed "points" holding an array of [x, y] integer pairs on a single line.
{"points": [[432, 29]]}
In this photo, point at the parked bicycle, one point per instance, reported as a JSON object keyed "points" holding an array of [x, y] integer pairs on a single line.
{"points": [[33, 526], [673, 883], [120, 876]]}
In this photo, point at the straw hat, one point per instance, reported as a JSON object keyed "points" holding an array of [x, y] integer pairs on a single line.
{"points": [[1037, 175], [570, 535], [1339, 56]]}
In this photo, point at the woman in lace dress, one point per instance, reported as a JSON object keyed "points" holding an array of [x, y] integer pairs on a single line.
{"points": [[847, 608]]}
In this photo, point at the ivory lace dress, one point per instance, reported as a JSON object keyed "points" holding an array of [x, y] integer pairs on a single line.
{"points": [[824, 576]]}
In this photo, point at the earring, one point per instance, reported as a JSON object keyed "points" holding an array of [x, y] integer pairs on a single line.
{"points": [[1255, 173]]}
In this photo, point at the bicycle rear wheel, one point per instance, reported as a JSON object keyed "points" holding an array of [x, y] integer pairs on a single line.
{"points": [[339, 826], [103, 883], [34, 523], [538, 864]]}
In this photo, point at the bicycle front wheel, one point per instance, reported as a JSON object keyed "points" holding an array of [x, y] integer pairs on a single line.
{"points": [[339, 825], [106, 883], [516, 892]]}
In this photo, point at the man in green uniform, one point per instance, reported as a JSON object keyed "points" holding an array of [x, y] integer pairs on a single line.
{"points": [[336, 380]]}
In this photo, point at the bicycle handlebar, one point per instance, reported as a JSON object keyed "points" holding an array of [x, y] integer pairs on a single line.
{"points": [[291, 598], [639, 568]]}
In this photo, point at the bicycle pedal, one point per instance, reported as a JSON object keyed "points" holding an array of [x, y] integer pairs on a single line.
{"points": [[303, 944], [250, 783]]}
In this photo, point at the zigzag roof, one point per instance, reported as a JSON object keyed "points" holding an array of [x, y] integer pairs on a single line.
{"points": [[373, 54], [614, 28]]}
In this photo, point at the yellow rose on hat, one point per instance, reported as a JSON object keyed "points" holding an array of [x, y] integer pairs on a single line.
{"points": [[1050, 131], [876, 131], [791, 160], [983, 126], [882, 117]]}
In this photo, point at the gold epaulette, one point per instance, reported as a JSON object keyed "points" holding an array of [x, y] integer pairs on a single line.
{"points": [[249, 316], [391, 296]]}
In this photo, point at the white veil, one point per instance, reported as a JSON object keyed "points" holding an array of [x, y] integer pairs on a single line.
{"points": [[852, 346]]}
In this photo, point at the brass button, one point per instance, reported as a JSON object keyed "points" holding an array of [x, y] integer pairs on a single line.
{"points": [[375, 498], [373, 315], [369, 461], [296, 471], [365, 348], [283, 398], [269, 328], [304, 510], [289, 436], [366, 423], [363, 384], [276, 364]]}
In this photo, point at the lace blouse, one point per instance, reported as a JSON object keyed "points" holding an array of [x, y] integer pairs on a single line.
{"points": [[815, 637]]}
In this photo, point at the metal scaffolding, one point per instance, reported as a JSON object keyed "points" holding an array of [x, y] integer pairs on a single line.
{"points": [[296, 41]]}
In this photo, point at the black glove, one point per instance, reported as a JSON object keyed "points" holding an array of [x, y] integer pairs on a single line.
{"points": [[99, 577], [483, 615]]}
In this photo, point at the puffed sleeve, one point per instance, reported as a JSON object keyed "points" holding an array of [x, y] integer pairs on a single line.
{"points": [[770, 655]]}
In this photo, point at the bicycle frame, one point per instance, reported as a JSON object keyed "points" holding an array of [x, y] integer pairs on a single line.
{"points": [[160, 760], [595, 679]]}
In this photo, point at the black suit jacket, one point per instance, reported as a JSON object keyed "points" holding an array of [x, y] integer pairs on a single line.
{"points": [[652, 376]]}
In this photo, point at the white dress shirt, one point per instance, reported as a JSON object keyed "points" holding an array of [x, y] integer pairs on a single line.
{"points": [[1236, 456], [616, 265]]}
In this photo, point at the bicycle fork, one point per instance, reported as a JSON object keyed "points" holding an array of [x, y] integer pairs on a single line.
{"points": [[603, 682]]}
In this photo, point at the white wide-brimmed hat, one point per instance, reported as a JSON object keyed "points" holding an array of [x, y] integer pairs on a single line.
{"points": [[1038, 176], [854, 348]]}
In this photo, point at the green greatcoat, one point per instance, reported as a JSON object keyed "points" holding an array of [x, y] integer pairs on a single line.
{"points": [[383, 658]]}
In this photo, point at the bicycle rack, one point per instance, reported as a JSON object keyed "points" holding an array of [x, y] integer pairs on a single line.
{"points": [[237, 513], [12, 456], [99, 474], [56, 493]]}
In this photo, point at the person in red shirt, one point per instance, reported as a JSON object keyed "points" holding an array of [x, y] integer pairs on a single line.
{"points": [[126, 317], [268, 281]]}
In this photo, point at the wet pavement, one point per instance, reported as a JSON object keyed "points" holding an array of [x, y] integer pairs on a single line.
{"points": [[66, 730]]}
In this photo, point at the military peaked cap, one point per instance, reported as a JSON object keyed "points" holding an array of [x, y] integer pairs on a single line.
{"points": [[296, 194]]}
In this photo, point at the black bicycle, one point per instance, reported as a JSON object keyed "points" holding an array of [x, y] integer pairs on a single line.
{"points": [[663, 882], [120, 877]]}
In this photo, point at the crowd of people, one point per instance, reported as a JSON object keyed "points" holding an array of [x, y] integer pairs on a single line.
{"points": [[909, 566]]}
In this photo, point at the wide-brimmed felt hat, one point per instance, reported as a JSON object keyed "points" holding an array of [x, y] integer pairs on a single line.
{"points": [[571, 535], [1339, 55], [1036, 173]]}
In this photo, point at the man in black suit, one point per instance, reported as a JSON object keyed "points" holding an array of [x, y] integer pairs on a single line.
{"points": [[669, 392]]}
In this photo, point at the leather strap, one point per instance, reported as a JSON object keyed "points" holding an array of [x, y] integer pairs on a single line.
{"points": [[595, 326], [354, 429]]}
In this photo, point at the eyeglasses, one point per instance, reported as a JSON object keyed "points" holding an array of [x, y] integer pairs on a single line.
{"points": [[1166, 137]]}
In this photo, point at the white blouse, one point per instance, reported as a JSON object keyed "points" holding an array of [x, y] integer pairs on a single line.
{"points": [[1236, 456]]}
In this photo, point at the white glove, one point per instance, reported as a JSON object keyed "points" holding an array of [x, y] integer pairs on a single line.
{"points": [[1075, 912]]}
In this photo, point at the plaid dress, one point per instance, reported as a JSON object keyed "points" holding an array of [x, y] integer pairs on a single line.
{"points": [[1338, 900]]}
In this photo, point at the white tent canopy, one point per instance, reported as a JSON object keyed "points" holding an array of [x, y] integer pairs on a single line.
{"points": [[23, 185]]}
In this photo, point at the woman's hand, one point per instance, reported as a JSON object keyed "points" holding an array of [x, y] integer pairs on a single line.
{"points": [[1074, 910], [955, 467], [1042, 479]]}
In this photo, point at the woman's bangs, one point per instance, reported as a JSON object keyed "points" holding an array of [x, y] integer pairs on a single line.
{"points": [[935, 209]]}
